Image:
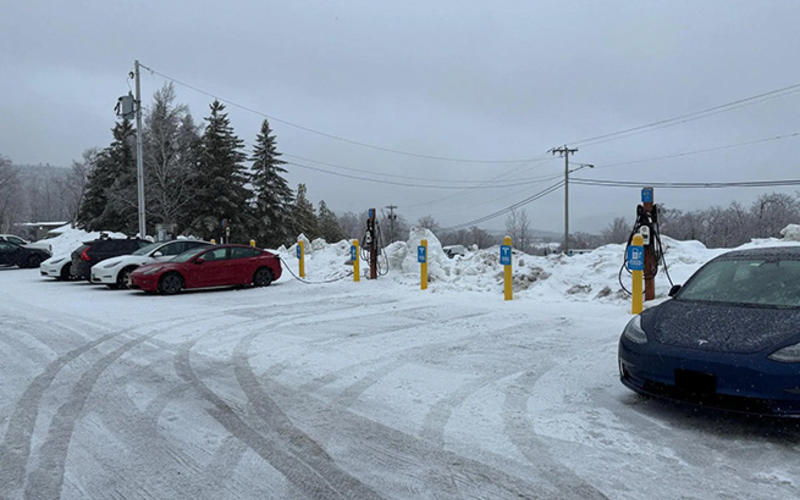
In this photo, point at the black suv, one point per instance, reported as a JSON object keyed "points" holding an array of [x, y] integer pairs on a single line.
{"points": [[12, 254], [92, 252]]}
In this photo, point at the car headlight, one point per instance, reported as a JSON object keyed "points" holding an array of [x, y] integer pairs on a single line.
{"points": [[788, 354], [633, 331], [151, 271], [111, 264], [56, 261]]}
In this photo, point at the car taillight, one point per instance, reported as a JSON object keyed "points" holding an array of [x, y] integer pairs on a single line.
{"points": [[85, 255]]}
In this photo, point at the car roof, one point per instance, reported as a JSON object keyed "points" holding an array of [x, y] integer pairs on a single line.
{"points": [[787, 252]]}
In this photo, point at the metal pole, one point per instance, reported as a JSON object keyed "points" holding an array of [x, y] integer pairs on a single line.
{"points": [[566, 202], [139, 159]]}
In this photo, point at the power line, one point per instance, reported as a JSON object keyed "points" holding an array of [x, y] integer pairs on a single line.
{"points": [[695, 115], [686, 185], [326, 134], [503, 211], [705, 150], [532, 180], [408, 177]]}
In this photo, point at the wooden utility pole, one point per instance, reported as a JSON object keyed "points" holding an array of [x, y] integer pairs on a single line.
{"points": [[650, 264], [565, 152]]}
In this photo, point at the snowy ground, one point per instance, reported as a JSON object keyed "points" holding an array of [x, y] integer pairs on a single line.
{"points": [[359, 390]]}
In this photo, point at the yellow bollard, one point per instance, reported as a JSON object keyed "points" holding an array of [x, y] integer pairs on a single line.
{"points": [[301, 256], [252, 243], [508, 293], [422, 257], [355, 257], [213, 241], [637, 271]]}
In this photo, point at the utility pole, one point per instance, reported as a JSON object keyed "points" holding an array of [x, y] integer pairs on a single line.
{"points": [[392, 217], [565, 152], [139, 167]]}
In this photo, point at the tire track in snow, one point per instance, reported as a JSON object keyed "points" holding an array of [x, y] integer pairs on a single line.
{"points": [[299, 442], [519, 430]]}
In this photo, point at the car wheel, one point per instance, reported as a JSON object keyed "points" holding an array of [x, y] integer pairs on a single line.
{"points": [[262, 277], [64, 274], [170, 284], [124, 278], [33, 261]]}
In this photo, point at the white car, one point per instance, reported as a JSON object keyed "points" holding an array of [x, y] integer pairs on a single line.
{"points": [[13, 238], [115, 272], [57, 266]]}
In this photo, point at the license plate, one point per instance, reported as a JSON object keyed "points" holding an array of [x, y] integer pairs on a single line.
{"points": [[695, 382]]}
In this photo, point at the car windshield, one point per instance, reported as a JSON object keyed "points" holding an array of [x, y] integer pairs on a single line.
{"points": [[147, 249], [188, 254], [764, 282]]}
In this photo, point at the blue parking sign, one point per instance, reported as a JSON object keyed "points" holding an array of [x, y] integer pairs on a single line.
{"points": [[635, 258], [353, 255], [422, 255], [505, 255], [647, 195], [298, 251]]}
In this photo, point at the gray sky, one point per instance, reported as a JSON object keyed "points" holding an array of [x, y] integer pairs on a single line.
{"points": [[476, 80]]}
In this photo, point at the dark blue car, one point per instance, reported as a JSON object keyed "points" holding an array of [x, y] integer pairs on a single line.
{"points": [[729, 338]]}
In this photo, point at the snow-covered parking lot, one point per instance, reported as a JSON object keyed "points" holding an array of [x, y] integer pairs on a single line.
{"points": [[350, 390]]}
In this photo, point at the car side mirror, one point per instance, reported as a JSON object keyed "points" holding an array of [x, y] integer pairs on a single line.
{"points": [[674, 290], [158, 254], [199, 260]]}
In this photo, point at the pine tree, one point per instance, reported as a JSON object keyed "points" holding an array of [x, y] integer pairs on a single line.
{"points": [[272, 208], [328, 224], [305, 220], [220, 190], [110, 201]]}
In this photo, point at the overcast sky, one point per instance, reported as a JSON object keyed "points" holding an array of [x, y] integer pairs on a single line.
{"points": [[472, 80]]}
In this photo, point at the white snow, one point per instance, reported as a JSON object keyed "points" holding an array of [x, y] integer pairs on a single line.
{"points": [[300, 390]]}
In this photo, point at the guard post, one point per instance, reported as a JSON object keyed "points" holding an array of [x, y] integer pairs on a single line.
{"points": [[253, 243], [301, 256], [354, 256], [213, 241], [505, 261], [422, 258], [636, 267]]}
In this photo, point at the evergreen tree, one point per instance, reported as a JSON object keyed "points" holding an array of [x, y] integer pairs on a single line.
{"points": [[110, 200], [272, 208], [305, 220], [328, 224], [220, 190]]}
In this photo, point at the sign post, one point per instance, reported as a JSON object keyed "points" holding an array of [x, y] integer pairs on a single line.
{"points": [[422, 258], [354, 256], [505, 261], [301, 256], [636, 267]]}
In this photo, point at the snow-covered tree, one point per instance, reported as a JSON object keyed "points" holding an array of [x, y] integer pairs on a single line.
{"points": [[170, 146], [219, 188], [272, 208], [303, 216], [328, 225]]}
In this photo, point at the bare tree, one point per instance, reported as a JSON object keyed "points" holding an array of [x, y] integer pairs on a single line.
{"points": [[617, 232], [9, 195], [519, 228], [77, 180], [428, 222]]}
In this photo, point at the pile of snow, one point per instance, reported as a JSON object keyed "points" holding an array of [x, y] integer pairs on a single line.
{"points": [[585, 277], [70, 238], [791, 232]]}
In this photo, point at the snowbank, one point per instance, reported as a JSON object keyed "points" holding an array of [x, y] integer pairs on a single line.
{"points": [[791, 232], [70, 238]]}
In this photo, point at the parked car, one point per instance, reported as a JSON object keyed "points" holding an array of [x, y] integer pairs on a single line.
{"points": [[729, 338], [453, 250], [57, 266], [115, 272], [219, 265], [92, 252], [12, 254], [13, 238]]}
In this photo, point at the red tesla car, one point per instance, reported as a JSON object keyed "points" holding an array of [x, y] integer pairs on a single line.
{"points": [[207, 267]]}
